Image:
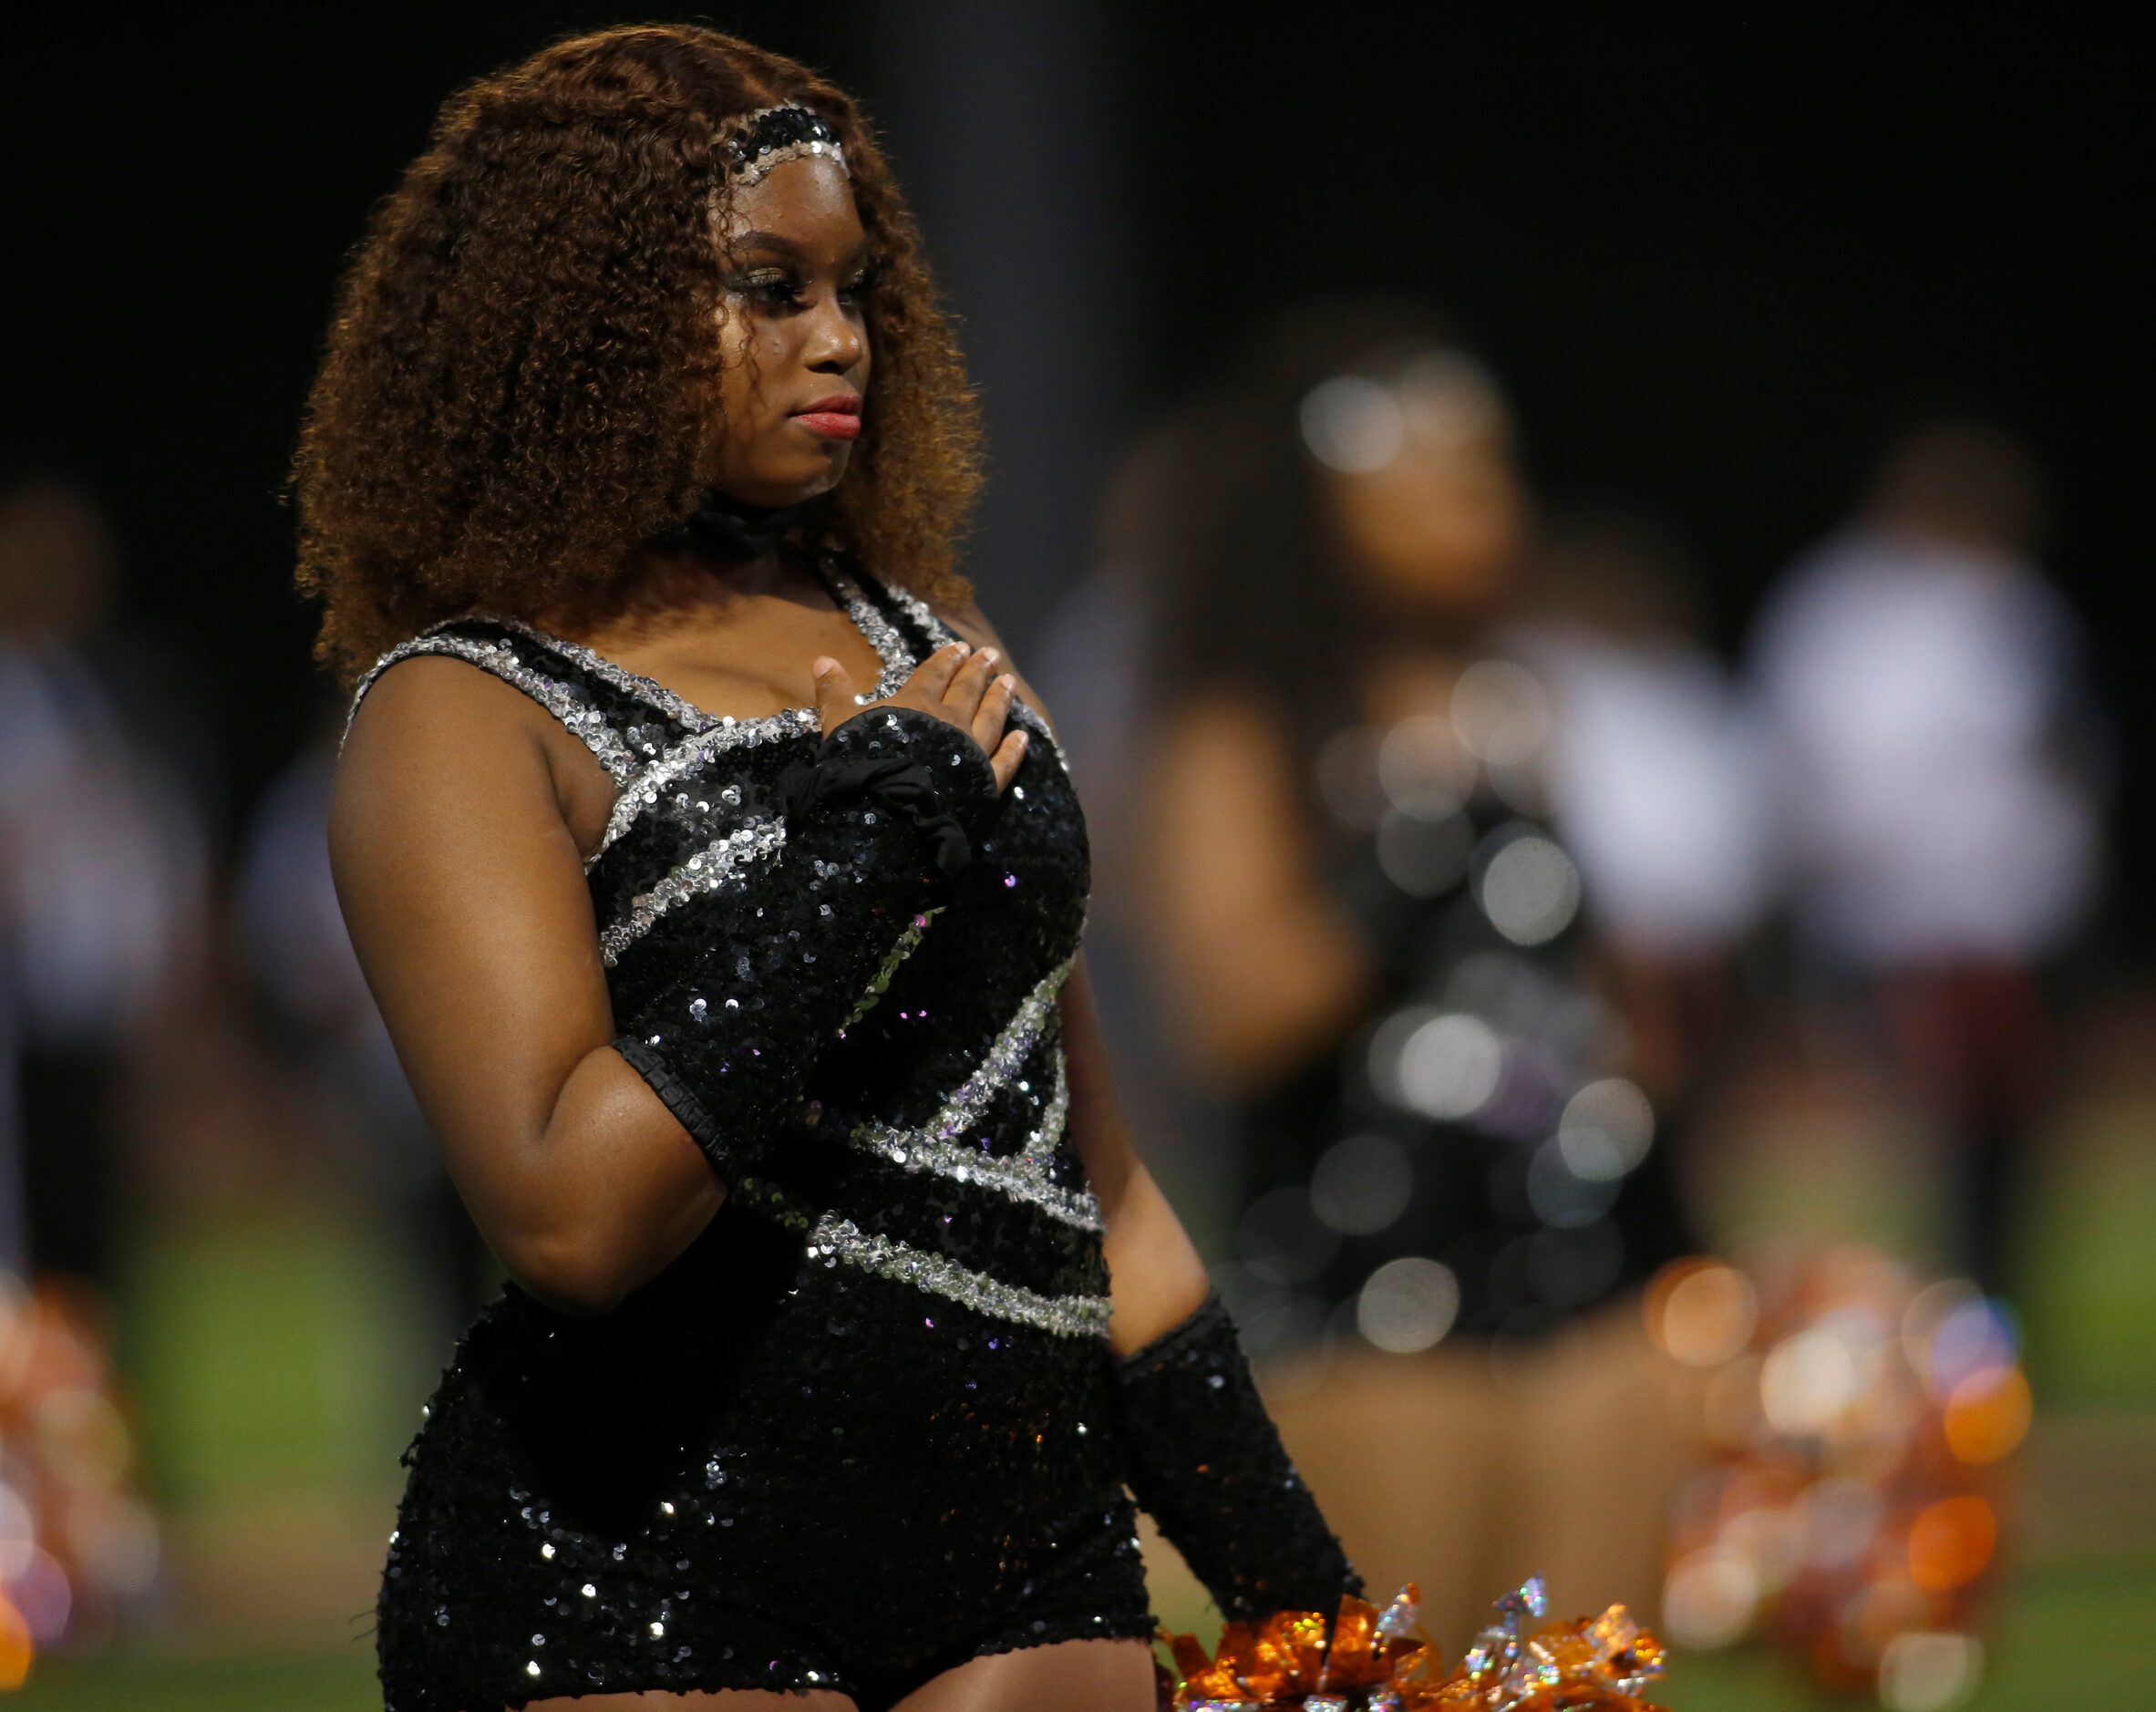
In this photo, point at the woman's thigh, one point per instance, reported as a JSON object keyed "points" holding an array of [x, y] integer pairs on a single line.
{"points": [[1068, 1676]]}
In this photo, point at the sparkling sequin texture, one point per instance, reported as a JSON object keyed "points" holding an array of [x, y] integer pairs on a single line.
{"points": [[900, 949], [869, 1373], [706, 870], [1462, 1158], [1208, 1466], [754, 143]]}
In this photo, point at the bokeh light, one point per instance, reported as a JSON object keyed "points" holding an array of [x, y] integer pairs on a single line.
{"points": [[1987, 1414], [1951, 1543], [77, 1547], [1860, 1418]]}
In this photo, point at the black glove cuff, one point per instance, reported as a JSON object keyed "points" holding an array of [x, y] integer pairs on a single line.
{"points": [[1182, 1344], [1206, 1460]]}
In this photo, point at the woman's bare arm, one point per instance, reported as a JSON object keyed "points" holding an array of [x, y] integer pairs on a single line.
{"points": [[465, 896], [1255, 964], [1156, 1279]]}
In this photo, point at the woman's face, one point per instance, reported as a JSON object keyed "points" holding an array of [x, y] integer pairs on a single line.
{"points": [[1438, 525], [795, 343]]}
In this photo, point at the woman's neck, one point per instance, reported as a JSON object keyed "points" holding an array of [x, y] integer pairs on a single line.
{"points": [[1408, 657], [726, 552], [736, 533]]}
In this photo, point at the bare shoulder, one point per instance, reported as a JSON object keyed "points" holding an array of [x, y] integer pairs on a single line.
{"points": [[972, 623], [432, 731], [432, 709]]}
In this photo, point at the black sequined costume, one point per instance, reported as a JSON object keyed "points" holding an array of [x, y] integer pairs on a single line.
{"points": [[868, 1426], [1464, 1156]]}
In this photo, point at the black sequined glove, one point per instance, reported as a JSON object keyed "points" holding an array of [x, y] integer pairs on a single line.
{"points": [[879, 824], [1204, 1460]]}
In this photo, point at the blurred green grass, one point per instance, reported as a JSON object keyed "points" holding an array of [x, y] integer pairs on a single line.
{"points": [[149, 1680]]}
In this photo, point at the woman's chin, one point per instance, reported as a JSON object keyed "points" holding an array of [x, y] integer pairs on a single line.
{"points": [[775, 492]]}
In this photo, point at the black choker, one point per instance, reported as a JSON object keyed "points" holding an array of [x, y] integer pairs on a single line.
{"points": [[732, 529]]}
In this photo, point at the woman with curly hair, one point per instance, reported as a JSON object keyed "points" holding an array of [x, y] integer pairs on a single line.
{"points": [[726, 919]]}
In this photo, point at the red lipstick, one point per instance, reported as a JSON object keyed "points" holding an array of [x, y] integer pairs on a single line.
{"points": [[837, 417]]}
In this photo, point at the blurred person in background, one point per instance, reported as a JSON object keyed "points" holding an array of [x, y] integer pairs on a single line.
{"points": [[1656, 769], [1454, 1174], [315, 1015], [1940, 793], [103, 877]]}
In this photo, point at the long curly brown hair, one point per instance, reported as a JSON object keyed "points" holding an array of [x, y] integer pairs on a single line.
{"points": [[522, 367]]}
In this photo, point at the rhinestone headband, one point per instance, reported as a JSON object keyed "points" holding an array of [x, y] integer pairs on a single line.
{"points": [[754, 143]]}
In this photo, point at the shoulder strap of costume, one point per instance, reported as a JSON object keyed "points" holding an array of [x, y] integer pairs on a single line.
{"points": [[908, 610], [622, 731], [915, 615]]}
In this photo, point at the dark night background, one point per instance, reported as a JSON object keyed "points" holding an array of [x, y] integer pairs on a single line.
{"points": [[1714, 264]]}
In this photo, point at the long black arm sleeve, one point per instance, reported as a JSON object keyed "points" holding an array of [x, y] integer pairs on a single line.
{"points": [[1204, 1459]]}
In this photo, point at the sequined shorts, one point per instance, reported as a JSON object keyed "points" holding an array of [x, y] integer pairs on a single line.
{"points": [[1087, 1596], [827, 1488]]}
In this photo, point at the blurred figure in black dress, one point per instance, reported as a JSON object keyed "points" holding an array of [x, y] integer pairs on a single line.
{"points": [[1373, 948]]}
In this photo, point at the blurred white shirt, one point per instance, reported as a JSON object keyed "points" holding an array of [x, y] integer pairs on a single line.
{"points": [[103, 862], [1655, 781], [1914, 692]]}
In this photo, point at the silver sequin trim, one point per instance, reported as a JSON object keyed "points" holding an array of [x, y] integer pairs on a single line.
{"points": [[644, 790], [888, 640], [1065, 1316], [761, 165], [1023, 711], [712, 735], [839, 1239], [934, 1146], [1005, 1056], [706, 870], [734, 135], [635, 684], [902, 948], [1023, 1176], [586, 723]]}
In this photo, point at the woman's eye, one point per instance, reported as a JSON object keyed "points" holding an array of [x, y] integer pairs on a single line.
{"points": [[770, 287], [775, 289]]}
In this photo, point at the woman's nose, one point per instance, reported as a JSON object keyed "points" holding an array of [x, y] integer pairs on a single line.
{"points": [[835, 340]]}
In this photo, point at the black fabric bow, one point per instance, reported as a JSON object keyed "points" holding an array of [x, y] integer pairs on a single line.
{"points": [[900, 786]]}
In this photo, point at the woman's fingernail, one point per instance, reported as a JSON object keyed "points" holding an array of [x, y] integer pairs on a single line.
{"points": [[821, 664], [1006, 682]]}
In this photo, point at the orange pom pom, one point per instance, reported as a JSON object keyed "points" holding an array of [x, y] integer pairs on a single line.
{"points": [[1372, 1660]]}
